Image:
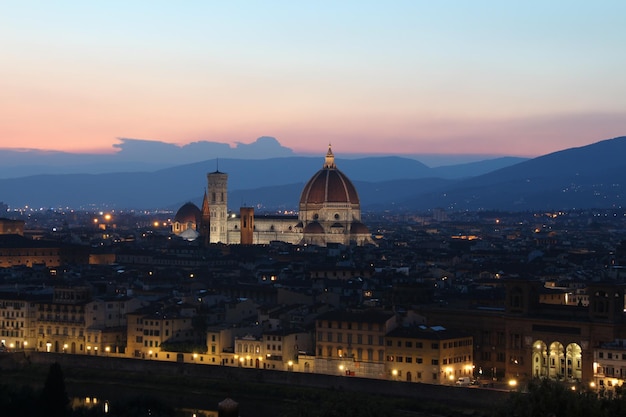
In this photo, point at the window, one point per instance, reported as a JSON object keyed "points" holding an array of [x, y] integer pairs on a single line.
{"points": [[434, 362]]}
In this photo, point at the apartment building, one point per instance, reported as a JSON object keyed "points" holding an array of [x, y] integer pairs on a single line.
{"points": [[352, 342], [434, 355]]}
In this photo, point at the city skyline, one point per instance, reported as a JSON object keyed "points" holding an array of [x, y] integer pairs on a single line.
{"points": [[406, 78]]}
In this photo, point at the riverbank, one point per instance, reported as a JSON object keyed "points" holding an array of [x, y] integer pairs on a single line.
{"points": [[260, 393]]}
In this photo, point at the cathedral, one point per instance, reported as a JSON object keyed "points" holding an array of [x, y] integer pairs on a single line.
{"points": [[329, 212]]}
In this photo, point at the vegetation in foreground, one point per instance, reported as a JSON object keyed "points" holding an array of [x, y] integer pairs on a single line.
{"points": [[545, 398]]}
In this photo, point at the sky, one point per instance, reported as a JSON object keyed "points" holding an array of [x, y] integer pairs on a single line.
{"points": [[518, 78]]}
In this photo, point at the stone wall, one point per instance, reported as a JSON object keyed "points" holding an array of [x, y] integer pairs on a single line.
{"points": [[462, 396]]}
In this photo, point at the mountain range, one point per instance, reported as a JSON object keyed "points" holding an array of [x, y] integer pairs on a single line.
{"points": [[592, 176]]}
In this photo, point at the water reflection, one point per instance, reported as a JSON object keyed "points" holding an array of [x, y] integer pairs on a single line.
{"points": [[105, 406]]}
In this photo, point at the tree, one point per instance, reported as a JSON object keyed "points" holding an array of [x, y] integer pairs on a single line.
{"points": [[545, 397], [53, 400]]}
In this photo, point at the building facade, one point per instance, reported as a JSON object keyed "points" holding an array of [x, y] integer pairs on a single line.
{"points": [[329, 213]]}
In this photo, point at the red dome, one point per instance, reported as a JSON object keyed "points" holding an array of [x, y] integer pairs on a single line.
{"points": [[189, 212], [329, 185]]}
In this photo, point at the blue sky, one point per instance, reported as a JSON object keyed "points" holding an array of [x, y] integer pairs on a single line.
{"points": [[402, 77]]}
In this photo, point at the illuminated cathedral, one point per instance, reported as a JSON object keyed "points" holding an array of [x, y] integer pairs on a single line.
{"points": [[329, 212]]}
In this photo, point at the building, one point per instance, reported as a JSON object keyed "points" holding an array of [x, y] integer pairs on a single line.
{"points": [[105, 319], [11, 227], [17, 250], [352, 342], [609, 366], [527, 339], [16, 321], [187, 222], [329, 213], [152, 326], [433, 355], [60, 321], [330, 209]]}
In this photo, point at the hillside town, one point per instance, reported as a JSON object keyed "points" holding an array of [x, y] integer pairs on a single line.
{"points": [[481, 299]]}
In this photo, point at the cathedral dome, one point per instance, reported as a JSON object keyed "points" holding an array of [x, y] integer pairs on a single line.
{"points": [[329, 185], [188, 213]]}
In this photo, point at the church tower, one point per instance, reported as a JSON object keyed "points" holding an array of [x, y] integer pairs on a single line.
{"points": [[218, 206], [246, 226], [205, 223]]}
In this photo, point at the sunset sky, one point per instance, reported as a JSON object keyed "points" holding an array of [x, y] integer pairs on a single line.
{"points": [[494, 77]]}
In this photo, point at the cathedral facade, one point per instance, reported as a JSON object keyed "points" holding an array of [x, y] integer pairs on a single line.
{"points": [[329, 212]]}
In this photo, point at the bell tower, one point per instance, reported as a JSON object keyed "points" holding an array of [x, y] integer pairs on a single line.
{"points": [[218, 204]]}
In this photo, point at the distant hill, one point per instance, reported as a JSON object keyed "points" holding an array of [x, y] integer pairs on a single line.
{"points": [[592, 176], [167, 188]]}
